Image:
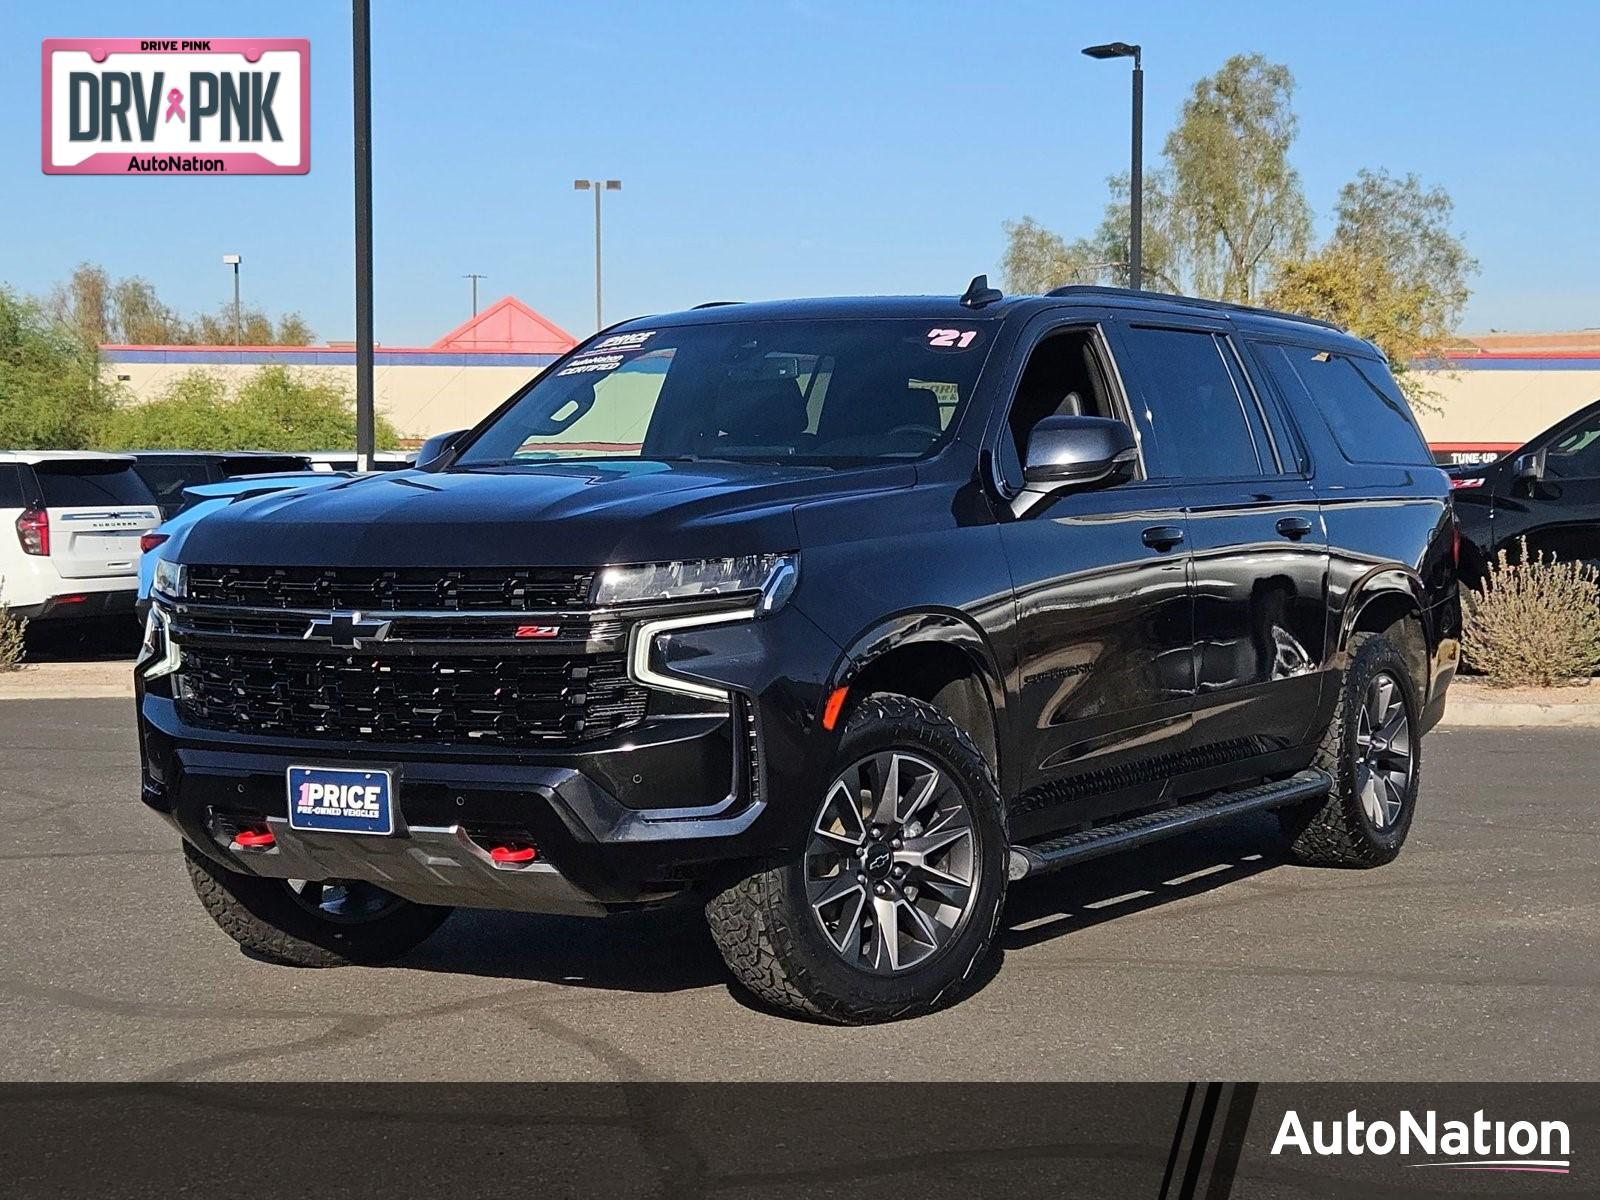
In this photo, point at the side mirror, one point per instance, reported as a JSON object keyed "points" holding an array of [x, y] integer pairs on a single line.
{"points": [[437, 447], [1528, 468], [1077, 451]]}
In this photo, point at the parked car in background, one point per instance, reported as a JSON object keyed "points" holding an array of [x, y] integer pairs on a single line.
{"points": [[169, 472], [70, 524], [203, 498], [345, 460], [1547, 491], [831, 616]]}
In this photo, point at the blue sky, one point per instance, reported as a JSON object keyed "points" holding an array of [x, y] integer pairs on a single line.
{"points": [[794, 147]]}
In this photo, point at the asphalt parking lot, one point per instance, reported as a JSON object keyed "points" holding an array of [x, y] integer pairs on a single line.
{"points": [[1476, 955]]}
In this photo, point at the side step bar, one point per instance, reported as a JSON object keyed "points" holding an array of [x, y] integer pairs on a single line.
{"points": [[1039, 858]]}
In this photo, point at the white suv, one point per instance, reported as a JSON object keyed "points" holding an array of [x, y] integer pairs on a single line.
{"points": [[70, 527]]}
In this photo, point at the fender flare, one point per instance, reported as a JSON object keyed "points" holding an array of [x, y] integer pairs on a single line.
{"points": [[1390, 580]]}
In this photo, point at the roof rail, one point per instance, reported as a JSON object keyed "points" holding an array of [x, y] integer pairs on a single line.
{"points": [[716, 303], [1090, 289]]}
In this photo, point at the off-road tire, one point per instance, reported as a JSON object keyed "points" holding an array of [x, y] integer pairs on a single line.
{"points": [[1335, 832], [771, 941], [262, 916]]}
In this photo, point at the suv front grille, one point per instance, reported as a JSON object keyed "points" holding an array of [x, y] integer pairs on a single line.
{"points": [[462, 699], [378, 589]]}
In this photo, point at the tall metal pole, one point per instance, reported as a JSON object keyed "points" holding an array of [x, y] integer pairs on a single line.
{"points": [[599, 320], [1136, 183], [238, 319], [361, 43], [474, 276]]}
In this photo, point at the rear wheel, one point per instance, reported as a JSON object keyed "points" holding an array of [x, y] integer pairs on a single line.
{"points": [[1373, 752], [894, 899], [310, 923]]}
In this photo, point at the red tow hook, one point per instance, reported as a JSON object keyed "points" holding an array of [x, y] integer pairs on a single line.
{"points": [[514, 855], [254, 839]]}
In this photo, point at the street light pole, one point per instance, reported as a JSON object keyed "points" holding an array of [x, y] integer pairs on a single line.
{"points": [[597, 186], [1136, 175], [233, 260], [361, 48], [474, 276]]}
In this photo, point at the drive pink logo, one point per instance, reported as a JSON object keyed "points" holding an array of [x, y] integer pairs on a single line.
{"points": [[208, 106]]}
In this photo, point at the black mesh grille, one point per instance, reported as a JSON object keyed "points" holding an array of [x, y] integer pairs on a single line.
{"points": [[374, 589], [470, 699]]}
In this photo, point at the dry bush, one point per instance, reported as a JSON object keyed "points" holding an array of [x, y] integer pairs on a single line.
{"points": [[11, 631], [1536, 623]]}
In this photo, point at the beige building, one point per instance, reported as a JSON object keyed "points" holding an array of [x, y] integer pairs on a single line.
{"points": [[422, 390], [1497, 390]]}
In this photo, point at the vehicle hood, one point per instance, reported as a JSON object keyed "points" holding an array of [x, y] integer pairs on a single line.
{"points": [[549, 514]]}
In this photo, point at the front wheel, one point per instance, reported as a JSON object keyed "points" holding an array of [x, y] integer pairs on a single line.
{"points": [[306, 923], [1373, 751], [894, 899]]}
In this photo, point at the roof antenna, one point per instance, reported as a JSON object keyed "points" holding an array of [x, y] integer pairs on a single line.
{"points": [[979, 293]]}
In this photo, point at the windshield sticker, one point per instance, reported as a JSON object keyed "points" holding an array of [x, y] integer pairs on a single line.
{"points": [[951, 339], [623, 341], [591, 363]]}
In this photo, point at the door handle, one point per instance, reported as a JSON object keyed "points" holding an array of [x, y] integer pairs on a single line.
{"points": [[1294, 528], [1162, 537]]}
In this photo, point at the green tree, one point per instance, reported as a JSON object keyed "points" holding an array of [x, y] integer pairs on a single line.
{"points": [[104, 311], [255, 329], [52, 395], [1235, 209], [274, 408], [1393, 273]]}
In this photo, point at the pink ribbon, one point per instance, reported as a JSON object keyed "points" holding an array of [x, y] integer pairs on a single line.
{"points": [[175, 106]]}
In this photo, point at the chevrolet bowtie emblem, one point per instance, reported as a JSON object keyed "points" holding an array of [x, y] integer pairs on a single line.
{"points": [[348, 630]]}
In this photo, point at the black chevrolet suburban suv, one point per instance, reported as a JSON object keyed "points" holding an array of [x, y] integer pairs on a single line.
{"points": [[1544, 495], [833, 617]]}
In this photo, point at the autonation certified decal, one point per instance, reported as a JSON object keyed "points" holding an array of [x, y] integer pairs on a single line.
{"points": [[208, 106], [1474, 1144]]}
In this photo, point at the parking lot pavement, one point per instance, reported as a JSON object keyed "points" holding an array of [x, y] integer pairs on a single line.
{"points": [[1476, 955]]}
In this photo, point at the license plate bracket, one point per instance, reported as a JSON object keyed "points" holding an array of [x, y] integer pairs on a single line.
{"points": [[341, 799]]}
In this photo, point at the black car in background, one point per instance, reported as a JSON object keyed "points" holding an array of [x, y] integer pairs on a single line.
{"points": [[833, 617], [1547, 491], [167, 472]]}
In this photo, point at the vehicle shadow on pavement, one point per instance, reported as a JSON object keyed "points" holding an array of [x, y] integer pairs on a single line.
{"points": [[96, 639], [1119, 885], [658, 950]]}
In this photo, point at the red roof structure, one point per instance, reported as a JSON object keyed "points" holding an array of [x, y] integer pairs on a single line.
{"points": [[508, 326]]}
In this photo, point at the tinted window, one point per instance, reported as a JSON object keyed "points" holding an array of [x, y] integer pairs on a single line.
{"points": [[167, 480], [1575, 453], [11, 486], [824, 392], [67, 485], [1369, 418], [1199, 421]]}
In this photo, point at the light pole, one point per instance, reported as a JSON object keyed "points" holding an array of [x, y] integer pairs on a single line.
{"points": [[474, 276], [233, 260], [361, 86], [597, 186], [1136, 180]]}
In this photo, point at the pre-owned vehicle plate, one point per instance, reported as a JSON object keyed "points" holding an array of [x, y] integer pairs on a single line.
{"points": [[341, 800]]}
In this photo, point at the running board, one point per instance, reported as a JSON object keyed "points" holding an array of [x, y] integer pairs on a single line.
{"points": [[1039, 858]]}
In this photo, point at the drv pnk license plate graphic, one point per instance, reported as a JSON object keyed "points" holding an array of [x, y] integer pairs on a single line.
{"points": [[341, 800]]}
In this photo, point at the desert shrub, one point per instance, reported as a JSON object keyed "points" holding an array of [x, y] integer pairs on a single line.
{"points": [[273, 408], [1535, 623], [11, 635]]}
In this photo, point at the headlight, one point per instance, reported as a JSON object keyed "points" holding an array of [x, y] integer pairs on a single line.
{"points": [[159, 655], [171, 578], [774, 575]]}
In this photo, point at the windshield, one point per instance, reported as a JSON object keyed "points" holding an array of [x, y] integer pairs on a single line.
{"points": [[821, 392]]}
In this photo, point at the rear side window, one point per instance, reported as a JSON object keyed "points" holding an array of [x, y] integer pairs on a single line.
{"points": [[70, 485], [167, 480], [1200, 422], [1358, 398], [11, 486]]}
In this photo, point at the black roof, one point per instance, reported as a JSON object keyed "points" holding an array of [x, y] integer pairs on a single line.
{"points": [[950, 308]]}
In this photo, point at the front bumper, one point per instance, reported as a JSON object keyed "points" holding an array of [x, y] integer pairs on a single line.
{"points": [[676, 801]]}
